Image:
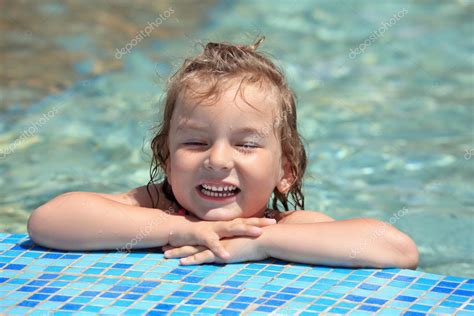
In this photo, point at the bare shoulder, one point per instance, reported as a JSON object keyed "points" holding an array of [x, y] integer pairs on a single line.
{"points": [[301, 217], [144, 196]]}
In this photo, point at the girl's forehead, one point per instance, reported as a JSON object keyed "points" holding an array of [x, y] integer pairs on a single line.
{"points": [[251, 114], [248, 99], [228, 115]]}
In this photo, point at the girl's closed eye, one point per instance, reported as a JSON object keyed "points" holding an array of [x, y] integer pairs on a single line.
{"points": [[248, 148], [244, 146], [194, 143], [249, 145]]}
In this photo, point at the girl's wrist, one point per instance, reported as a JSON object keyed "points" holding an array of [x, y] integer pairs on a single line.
{"points": [[183, 225], [264, 240]]}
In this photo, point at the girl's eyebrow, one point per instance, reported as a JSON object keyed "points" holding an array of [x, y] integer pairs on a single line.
{"points": [[193, 126], [190, 126]]}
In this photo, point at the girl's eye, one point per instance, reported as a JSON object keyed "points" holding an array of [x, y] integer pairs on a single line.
{"points": [[249, 145], [246, 147], [194, 143]]}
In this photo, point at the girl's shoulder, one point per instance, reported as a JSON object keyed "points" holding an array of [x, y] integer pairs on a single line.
{"points": [[150, 196], [159, 199]]}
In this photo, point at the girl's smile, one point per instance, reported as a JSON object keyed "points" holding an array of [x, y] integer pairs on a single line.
{"points": [[217, 196], [217, 191]]}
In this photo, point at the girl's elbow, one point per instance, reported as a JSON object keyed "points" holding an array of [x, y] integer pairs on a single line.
{"points": [[403, 252], [37, 226], [408, 255], [42, 218], [413, 255], [34, 227]]}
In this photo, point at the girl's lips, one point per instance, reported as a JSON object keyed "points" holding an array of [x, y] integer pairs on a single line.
{"points": [[216, 198]]}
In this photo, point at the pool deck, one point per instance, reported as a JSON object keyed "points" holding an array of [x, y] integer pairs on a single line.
{"points": [[39, 281]]}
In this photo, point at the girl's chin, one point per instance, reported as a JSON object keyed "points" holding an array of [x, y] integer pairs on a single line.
{"points": [[219, 214]]}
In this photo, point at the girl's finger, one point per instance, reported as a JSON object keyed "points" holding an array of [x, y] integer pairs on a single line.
{"points": [[184, 251], [242, 230], [167, 247], [214, 244], [205, 256]]}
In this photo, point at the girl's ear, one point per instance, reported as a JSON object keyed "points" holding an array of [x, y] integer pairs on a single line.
{"points": [[287, 179]]}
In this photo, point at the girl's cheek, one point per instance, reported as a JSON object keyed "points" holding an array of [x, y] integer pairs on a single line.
{"points": [[186, 162]]}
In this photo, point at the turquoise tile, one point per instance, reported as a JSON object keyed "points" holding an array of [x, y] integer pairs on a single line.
{"points": [[420, 307], [313, 292], [444, 310], [187, 308], [457, 298], [113, 310], [389, 312], [172, 300], [102, 302], [349, 284], [399, 284], [145, 305], [377, 281], [303, 299], [215, 303], [356, 278], [154, 298], [410, 292], [358, 313], [346, 305], [81, 300], [399, 304], [318, 308], [333, 294], [18, 311], [420, 287], [425, 301], [141, 282]]}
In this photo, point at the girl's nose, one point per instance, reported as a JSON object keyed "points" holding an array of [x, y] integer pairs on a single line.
{"points": [[220, 157]]}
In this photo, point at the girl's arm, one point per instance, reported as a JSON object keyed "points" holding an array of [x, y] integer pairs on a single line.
{"points": [[140, 197], [361, 242], [301, 216], [91, 221]]}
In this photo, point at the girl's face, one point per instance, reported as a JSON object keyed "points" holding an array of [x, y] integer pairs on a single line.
{"points": [[223, 144]]}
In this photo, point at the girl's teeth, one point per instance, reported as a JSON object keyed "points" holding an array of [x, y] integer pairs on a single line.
{"points": [[219, 189], [214, 194]]}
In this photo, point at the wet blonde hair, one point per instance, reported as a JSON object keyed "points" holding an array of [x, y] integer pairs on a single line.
{"points": [[218, 63]]}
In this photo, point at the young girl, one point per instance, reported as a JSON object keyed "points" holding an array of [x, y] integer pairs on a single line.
{"points": [[227, 144]]}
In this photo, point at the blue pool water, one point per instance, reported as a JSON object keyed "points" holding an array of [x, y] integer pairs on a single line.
{"points": [[387, 121]]}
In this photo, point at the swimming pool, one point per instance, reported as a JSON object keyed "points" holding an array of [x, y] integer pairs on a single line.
{"points": [[385, 106], [38, 281]]}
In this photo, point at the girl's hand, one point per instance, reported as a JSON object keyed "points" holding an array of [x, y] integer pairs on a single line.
{"points": [[208, 234], [240, 249]]}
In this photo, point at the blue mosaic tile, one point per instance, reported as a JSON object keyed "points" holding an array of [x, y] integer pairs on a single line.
{"points": [[38, 281]]}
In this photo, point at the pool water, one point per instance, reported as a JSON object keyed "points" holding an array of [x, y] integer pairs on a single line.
{"points": [[387, 119]]}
